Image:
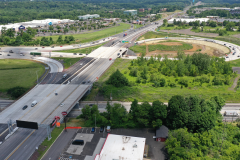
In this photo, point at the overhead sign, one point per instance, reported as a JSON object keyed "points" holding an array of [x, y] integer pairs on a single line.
{"points": [[64, 113], [27, 124], [125, 41]]}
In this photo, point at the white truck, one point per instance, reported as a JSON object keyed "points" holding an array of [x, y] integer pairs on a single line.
{"points": [[231, 113], [33, 103]]}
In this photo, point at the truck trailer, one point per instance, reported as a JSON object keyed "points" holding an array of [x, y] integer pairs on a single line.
{"points": [[231, 113]]}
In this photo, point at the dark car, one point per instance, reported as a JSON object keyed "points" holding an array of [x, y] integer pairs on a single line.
{"points": [[102, 129], [93, 129], [52, 47], [91, 105], [36, 48], [238, 55], [78, 142], [80, 53], [74, 53], [83, 82], [0, 54], [8, 55], [88, 81], [11, 51], [226, 57], [25, 107]]}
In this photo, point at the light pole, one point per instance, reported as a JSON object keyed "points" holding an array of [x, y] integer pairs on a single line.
{"points": [[37, 76]]}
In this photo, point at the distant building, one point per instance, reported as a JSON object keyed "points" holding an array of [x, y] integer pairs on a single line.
{"points": [[235, 11], [130, 12], [148, 9], [162, 134], [164, 9], [110, 11], [118, 147], [88, 16], [141, 10], [187, 20]]}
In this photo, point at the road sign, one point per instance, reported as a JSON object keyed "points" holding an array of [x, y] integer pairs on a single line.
{"points": [[125, 41], [64, 113], [27, 124]]}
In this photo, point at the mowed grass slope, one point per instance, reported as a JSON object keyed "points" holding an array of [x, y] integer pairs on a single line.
{"points": [[21, 73], [92, 36], [146, 92], [67, 62]]}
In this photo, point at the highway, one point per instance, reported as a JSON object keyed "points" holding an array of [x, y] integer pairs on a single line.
{"points": [[69, 90]]}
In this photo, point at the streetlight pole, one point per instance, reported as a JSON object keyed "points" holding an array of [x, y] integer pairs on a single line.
{"points": [[95, 120]]}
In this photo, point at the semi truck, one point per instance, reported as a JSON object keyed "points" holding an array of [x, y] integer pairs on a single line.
{"points": [[231, 113], [125, 34]]}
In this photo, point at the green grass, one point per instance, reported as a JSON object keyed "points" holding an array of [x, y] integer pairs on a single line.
{"points": [[235, 63], [21, 73], [139, 49], [137, 26], [159, 34], [146, 92], [86, 50], [47, 143], [174, 28], [92, 36], [68, 62], [184, 46]]}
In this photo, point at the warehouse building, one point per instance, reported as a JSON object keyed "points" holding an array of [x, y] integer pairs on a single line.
{"points": [[119, 147], [88, 16], [130, 12], [187, 20]]}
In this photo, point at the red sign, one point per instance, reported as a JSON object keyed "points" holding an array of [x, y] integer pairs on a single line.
{"points": [[64, 113]]}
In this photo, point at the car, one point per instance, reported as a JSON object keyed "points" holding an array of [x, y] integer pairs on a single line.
{"points": [[83, 82], [36, 48], [88, 81], [80, 53], [78, 142], [93, 129], [25, 107], [52, 47], [91, 105], [224, 44], [8, 55], [238, 55], [81, 64], [11, 51], [230, 46], [62, 104], [43, 47], [110, 59], [102, 129], [227, 57], [60, 46], [74, 53], [0, 54], [120, 50], [56, 118]]}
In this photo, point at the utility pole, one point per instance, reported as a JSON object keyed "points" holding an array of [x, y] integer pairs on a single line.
{"points": [[95, 120]]}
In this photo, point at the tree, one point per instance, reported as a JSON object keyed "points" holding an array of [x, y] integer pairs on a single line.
{"points": [[165, 21], [117, 79], [60, 39], [230, 26], [159, 111]]}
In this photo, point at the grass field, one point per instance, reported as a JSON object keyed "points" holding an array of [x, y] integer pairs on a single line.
{"points": [[146, 92], [184, 46], [86, 50], [151, 34], [21, 73], [235, 63], [67, 62], [174, 27], [92, 36]]}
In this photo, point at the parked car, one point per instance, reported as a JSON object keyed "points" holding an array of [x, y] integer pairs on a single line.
{"points": [[102, 129], [93, 129], [25, 107]]}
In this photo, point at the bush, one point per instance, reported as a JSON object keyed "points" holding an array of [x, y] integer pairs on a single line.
{"points": [[16, 92], [183, 81], [117, 79], [172, 84], [162, 82]]}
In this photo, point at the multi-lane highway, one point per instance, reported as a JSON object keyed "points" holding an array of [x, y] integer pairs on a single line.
{"points": [[55, 93]]}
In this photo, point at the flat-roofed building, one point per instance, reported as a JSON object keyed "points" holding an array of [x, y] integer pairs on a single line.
{"points": [[122, 147], [88, 16], [141, 10], [130, 12]]}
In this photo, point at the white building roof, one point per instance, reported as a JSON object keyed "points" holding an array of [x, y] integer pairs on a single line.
{"points": [[131, 10], [189, 19], [118, 147]]}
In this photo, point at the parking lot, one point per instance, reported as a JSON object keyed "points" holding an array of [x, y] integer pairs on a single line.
{"points": [[155, 151]]}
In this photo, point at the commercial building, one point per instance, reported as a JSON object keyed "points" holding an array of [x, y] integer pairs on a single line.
{"points": [[118, 147], [88, 16], [141, 10], [130, 12], [187, 20]]}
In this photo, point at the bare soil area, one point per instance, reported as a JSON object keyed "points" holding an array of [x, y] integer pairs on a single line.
{"points": [[210, 48]]}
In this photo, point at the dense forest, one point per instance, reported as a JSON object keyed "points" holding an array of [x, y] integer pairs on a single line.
{"points": [[12, 12]]}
